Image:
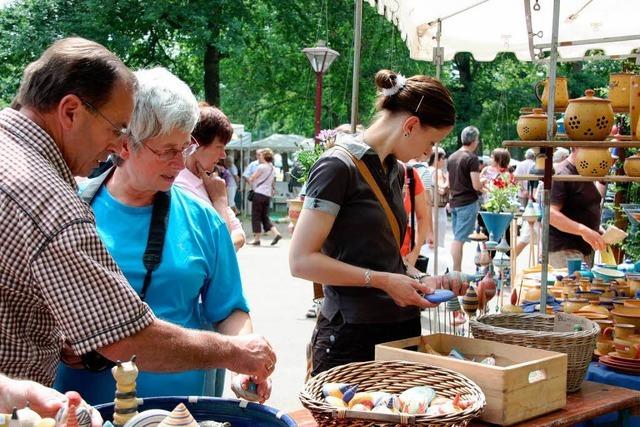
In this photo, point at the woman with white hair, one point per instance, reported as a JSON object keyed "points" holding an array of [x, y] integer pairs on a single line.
{"points": [[197, 260]]}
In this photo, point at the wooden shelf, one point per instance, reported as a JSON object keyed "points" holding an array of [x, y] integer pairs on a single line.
{"points": [[560, 110], [564, 137], [578, 178], [584, 144]]}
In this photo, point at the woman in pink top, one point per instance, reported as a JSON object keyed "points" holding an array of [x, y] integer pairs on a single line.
{"points": [[200, 176]]}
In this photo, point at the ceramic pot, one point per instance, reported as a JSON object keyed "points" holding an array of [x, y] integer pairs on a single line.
{"points": [[604, 347], [634, 106], [634, 284], [632, 165], [533, 294], [562, 92], [594, 307], [533, 127], [574, 305], [588, 118], [593, 161], [619, 89], [295, 207]]}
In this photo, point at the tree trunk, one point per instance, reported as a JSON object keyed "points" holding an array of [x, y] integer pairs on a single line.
{"points": [[212, 75], [464, 107]]}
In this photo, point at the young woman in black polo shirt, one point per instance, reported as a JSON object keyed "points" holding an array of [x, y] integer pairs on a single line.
{"points": [[345, 239]]}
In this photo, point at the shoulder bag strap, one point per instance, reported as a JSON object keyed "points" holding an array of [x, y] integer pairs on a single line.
{"points": [[266, 179], [412, 199], [155, 242], [88, 193], [366, 174], [157, 228]]}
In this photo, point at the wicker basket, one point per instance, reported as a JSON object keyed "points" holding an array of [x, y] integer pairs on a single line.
{"points": [[393, 377], [536, 330]]}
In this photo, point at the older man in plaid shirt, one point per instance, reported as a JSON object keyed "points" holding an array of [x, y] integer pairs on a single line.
{"points": [[59, 287]]}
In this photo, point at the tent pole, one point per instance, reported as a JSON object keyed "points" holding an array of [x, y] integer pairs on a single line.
{"points": [[527, 13], [438, 59], [548, 166], [355, 87]]}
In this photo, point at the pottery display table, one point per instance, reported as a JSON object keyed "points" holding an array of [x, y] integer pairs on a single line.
{"points": [[592, 401]]}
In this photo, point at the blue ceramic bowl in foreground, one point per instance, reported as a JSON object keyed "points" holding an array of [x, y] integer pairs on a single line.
{"points": [[238, 413]]}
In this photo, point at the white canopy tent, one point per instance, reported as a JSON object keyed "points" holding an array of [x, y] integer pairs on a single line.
{"points": [[436, 30], [486, 27], [277, 142]]}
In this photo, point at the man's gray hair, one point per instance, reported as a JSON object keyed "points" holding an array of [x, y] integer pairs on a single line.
{"points": [[529, 154], [469, 135], [163, 103]]}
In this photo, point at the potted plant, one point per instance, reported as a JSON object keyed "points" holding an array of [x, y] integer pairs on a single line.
{"points": [[501, 204], [304, 162]]}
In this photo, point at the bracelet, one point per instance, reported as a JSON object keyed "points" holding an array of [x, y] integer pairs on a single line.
{"points": [[367, 278], [419, 276]]}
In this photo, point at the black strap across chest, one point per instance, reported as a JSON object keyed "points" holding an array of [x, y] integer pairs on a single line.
{"points": [[412, 199], [157, 228]]}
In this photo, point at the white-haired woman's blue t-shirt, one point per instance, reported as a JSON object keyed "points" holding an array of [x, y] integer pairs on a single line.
{"points": [[198, 262]]}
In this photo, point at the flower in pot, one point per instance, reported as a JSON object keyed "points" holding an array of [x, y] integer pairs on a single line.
{"points": [[305, 161]]}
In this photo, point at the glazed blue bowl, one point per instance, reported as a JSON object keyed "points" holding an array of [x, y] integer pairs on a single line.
{"points": [[607, 274]]}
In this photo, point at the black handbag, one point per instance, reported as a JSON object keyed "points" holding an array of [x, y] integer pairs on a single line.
{"points": [[251, 193]]}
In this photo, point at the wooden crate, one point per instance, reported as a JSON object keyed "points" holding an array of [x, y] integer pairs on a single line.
{"points": [[525, 382]]}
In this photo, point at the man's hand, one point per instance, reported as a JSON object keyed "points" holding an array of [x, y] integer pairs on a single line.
{"points": [[263, 388], [593, 238], [253, 356], [43, 400]]}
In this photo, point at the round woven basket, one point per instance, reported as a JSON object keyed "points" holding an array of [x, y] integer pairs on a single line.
{"points": [[536, 331], [393, 377]]}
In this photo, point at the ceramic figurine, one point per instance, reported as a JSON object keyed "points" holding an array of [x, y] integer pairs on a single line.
{"points": [[213, 424], [179, 417], [47, 422], [416, 400], [126, 402], [14, 421], [148, 418], [250, 394], [335, 401], [470, 301], [74, 414], [340, 390], [514, 297], [485, 258], [28, 417]]}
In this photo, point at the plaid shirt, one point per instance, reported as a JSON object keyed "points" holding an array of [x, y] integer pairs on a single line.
{"points": [[57, 281]]}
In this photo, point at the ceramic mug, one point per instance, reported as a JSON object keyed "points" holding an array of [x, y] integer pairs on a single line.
{"points": [[627, 348], [604, 346], [621, 330], [606, 332], [573, 265]]}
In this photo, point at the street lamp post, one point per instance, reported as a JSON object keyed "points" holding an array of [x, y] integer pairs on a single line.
{"points": [[321, 58]]}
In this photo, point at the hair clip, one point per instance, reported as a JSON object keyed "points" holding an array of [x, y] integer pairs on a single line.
{"points": [[419, 103]]}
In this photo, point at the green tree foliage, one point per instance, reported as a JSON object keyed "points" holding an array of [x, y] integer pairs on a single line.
{"points": [[245, 55]]}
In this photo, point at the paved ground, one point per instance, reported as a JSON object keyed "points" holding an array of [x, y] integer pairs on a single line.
{"points": [[279, 303]]}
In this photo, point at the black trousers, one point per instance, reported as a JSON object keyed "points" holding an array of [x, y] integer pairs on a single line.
{"points": [[260, 213], [336, 342]]}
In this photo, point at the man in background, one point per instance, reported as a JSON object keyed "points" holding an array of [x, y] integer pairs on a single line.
{"points": [[464, 181]]}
